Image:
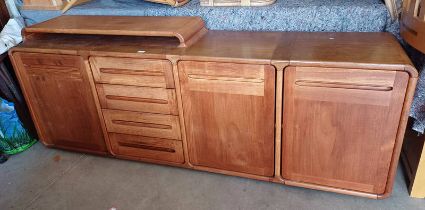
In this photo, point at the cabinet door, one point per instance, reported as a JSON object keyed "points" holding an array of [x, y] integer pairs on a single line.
{"points": [[62, 105], [229, 115], [340, 126]]}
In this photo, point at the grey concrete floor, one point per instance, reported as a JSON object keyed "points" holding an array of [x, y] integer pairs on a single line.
{"points": [[42, 178]]}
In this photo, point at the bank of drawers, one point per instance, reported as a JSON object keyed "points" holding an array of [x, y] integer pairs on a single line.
{"points": [[138, 102]]}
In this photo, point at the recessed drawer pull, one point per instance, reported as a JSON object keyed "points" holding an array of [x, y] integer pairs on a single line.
{"points": [[225, 78], [135, 99], [58, 67], [148, 147], [52, 69], [343, 85], [131, 72], [140, 124]]}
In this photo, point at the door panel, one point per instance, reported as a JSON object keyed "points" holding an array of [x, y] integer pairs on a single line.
{"points": [[340, 126], [229, 115], [59, 94]]}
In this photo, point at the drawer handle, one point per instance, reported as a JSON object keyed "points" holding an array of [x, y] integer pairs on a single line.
{"points": [[225, 78], [63, 73], [343, 85], [131, 72], [134, 99], [53, 69], [148, 147], [43, 66], [140, 124]]}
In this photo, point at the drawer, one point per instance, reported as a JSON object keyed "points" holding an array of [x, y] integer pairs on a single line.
{"points": [[133, 98], [147, 147], [130, 71], [51, 65], [144, 124], [50, 60]]}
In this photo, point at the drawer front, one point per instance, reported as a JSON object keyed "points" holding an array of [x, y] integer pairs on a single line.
{"points": [[147, 147], [133, 98], [130, 71], [144, 124], [36, 61]]}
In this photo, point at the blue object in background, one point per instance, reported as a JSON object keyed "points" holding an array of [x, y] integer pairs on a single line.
{"points": [[9, 119], [13, 137]]}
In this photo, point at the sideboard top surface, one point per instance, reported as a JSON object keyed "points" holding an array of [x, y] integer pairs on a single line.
{"points": [[351, 50], [374, 50]]}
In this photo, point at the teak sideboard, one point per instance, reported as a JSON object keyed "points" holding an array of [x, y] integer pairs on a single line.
{"points": [[326, 111]]}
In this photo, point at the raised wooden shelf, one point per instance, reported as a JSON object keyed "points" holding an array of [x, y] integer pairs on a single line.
{"points": [[186, 29]]}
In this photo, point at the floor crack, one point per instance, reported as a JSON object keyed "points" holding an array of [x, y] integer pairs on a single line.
{"points": [[54, 180]]}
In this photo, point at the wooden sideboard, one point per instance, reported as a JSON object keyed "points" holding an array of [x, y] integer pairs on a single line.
{"points": [[325, 111]]}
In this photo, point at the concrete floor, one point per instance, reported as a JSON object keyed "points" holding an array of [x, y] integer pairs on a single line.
{"points": [[42, 178]]}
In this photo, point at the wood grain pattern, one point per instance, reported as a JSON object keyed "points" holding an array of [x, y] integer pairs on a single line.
{"points": [[144, 124], [408, 98], [97, 103], [233, 46], [352, 146], [59, 95], [230, 130], [359, 50], [128, 71], [134, 98], [174, 61], [224, 93], [182, 28], [368, 51], [278, 123], [147, 147], [330, 189]]}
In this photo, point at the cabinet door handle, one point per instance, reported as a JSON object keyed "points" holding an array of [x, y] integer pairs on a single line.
{"points": [[343, 85]]}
